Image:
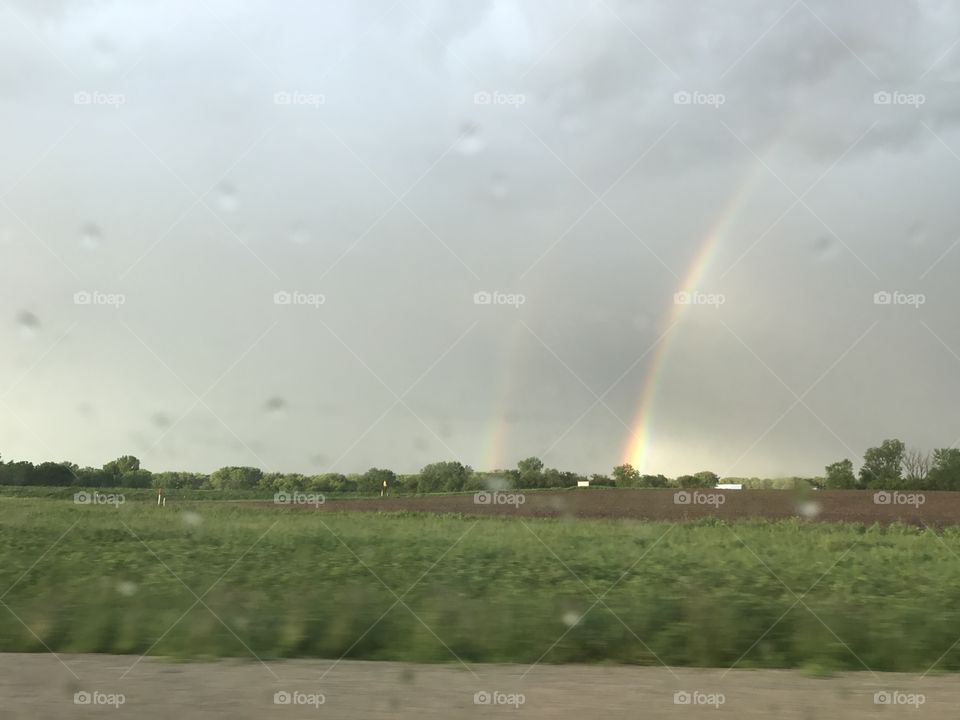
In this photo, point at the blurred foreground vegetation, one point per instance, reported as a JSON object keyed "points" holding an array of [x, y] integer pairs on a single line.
{"points": [[221, 580]]}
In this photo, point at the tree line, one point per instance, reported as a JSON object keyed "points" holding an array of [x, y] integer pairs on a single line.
{"points": [[894, 466], [890, 466]]}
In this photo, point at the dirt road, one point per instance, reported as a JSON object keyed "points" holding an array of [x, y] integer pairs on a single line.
{"points": [[40, 687]]}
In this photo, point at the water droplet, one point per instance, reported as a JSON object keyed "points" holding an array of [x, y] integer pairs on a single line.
{"points": [[276, 404], [160, 420], [470, 141], [826, 247], [105, 53], [571, 123], [570, 618], [28, 323], [498, 185], [642, 322], [917, 234], [808, 509], [300, 236], [125, 587], [496, 483], [227, 198], [91, 237], [191, 518]]}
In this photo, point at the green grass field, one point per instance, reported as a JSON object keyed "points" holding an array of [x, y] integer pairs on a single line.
{"points": [[283, 583]]}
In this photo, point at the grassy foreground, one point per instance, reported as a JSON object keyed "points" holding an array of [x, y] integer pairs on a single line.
{"points": [[284, 583]]}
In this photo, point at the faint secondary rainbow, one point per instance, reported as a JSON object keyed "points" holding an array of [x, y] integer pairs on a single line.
{"points": [[498, 440], [638, 450]]}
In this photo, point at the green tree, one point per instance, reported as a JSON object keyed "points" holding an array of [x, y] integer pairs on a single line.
{"points": [[553, 478], [707, 478], [53, 474], [653, 481], [700, 480], [530, 473], [883, 466], [449, 476], [372, 481], [840, 476], [331, 482], [236, 478], [137, 479], [625, 475], [945, 472], [123, 464]]}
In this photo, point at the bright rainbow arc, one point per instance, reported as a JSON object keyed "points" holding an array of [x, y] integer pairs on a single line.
{"points": [[638, 450]]}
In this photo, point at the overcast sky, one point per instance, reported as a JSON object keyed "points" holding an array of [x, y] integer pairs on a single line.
{"points": [[169, 167]]}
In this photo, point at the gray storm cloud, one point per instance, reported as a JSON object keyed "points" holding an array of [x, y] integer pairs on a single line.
{"points": [[379, 164]]}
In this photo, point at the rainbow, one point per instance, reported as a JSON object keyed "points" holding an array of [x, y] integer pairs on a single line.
{"points": [[495, 455], [637, 452]]}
